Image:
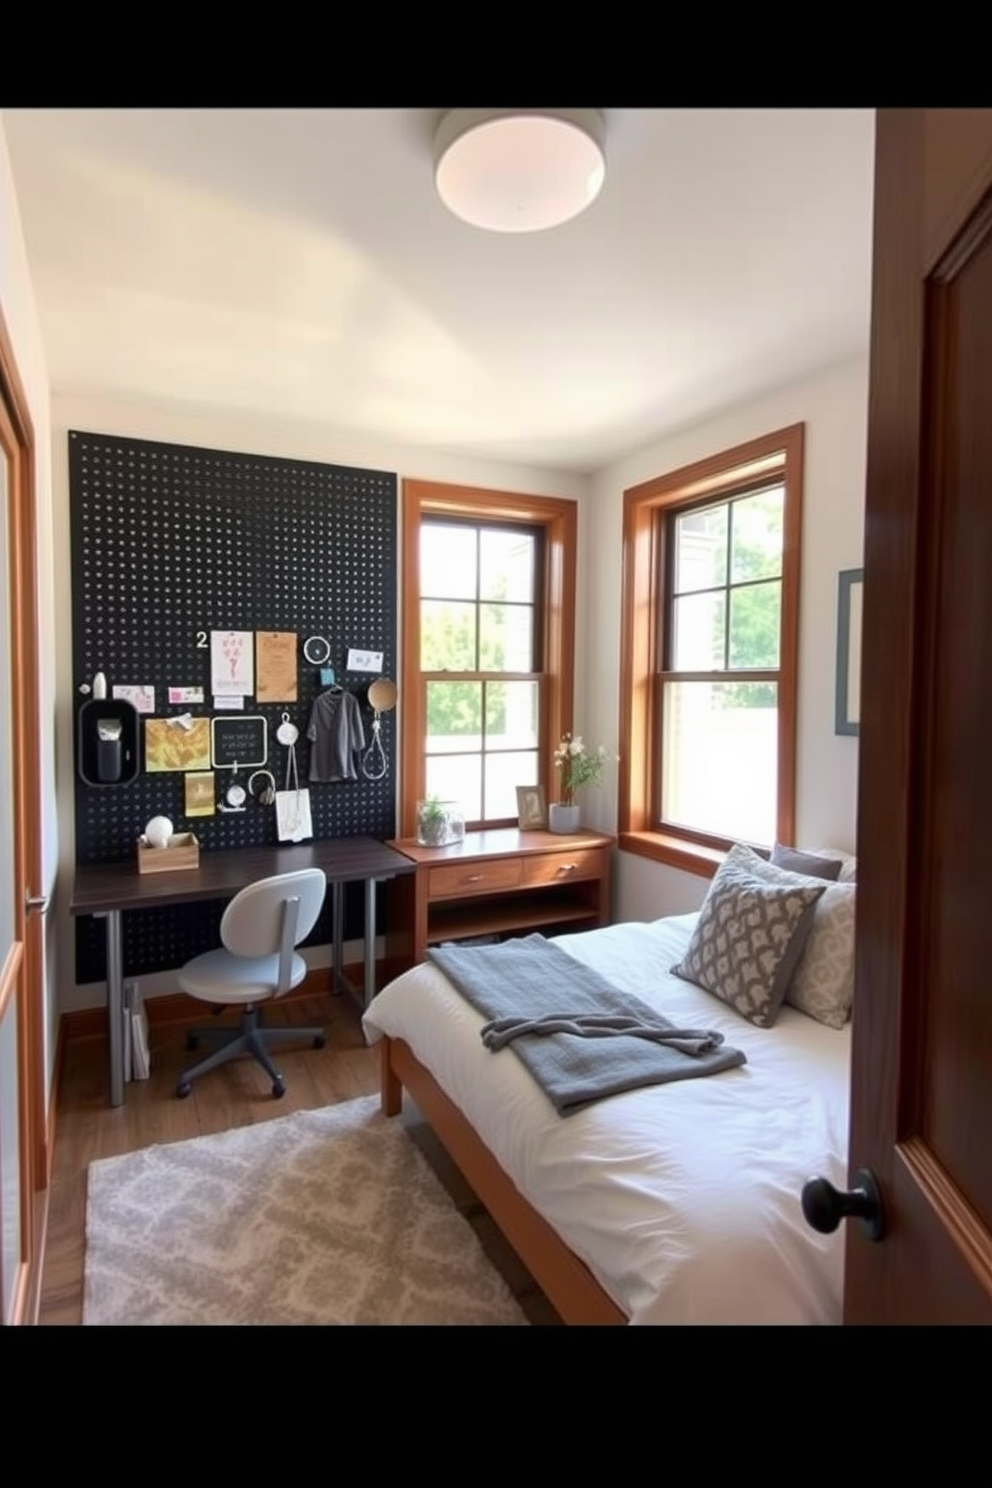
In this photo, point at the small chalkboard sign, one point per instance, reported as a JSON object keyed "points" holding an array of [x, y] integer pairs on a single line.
{"points": [[241, 741]]}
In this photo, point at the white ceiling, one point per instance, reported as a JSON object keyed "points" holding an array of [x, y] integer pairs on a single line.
{"points": [[297, 264]]}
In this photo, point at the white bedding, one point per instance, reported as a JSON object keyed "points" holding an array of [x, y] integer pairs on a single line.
{"points": [[683, 1199]]}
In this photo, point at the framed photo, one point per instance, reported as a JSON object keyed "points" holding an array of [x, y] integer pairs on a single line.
{"points": [[532, 813], [847, 703]]}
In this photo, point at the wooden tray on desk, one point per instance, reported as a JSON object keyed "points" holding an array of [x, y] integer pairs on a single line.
{"points": [[183, 851]]}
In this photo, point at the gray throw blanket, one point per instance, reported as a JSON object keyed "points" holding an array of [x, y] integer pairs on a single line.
{"points": [[580, 1038]]}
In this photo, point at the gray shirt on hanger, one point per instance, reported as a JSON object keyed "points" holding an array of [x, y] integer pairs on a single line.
{"points": [[336, 736]]}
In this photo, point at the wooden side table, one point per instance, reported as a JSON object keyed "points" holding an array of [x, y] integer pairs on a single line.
{"points": [[499, 882]]}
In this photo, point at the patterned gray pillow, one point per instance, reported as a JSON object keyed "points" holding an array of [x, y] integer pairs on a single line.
{"points": [[748, 938], [822, 984]]}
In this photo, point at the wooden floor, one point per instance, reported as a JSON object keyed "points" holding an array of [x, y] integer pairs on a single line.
{"points": [[237, 1094]]}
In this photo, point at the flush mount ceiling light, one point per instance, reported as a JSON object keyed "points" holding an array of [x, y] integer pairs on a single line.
{"points": [[519, 170]]}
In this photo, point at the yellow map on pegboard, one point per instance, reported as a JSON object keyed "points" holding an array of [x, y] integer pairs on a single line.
{"points": [[177, 743]]}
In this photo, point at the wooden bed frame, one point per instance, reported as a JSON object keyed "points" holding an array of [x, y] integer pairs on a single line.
{"points": [[565, 1280]]}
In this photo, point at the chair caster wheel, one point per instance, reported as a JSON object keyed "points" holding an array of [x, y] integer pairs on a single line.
{"points": [[319, 1041], [192, 1042], [278, 1089], [183, 1089]]}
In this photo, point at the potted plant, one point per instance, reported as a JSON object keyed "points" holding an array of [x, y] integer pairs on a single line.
{"points": [[439, 823], [576, 766]]}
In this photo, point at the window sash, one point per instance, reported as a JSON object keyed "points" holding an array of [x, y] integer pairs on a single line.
{"points": [[648, 587], [555, 521]]}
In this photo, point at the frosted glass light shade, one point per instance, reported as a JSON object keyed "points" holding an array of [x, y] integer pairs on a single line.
{"points": [[519, 170]]}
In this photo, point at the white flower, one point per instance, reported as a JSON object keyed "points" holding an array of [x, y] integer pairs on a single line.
{"points": [[577, 765]]}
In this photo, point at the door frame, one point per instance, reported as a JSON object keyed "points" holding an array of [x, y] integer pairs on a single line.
{"points": [[17, 437]]}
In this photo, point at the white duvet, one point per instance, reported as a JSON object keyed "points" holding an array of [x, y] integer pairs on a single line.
{"points": [[683, 1199]]}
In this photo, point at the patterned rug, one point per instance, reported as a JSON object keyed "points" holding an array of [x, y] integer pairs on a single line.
{"points": [[328, 1216]]}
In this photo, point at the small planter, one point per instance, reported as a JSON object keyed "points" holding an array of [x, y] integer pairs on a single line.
{"points": [[563, 818], [439, 823]]}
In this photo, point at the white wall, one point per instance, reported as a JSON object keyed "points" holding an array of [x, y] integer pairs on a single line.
{"points": [[21, 318], [834, 408], [177, 424]]}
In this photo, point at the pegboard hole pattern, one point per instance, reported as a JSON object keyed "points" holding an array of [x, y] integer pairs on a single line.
{"points": [[170, 542]]}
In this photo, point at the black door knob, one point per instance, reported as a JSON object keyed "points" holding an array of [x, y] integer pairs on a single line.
{"points": [[825, 1206]]}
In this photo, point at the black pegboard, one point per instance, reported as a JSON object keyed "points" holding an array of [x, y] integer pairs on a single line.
{"points": [[170, 542]]}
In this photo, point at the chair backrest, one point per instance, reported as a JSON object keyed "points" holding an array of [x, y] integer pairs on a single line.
{"points": [[253, 923]]}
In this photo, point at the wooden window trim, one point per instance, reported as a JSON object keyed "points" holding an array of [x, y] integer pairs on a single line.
{"points": [[558, 516], [779, 454]]}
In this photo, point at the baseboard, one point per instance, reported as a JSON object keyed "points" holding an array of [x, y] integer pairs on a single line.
{"points": [[176, 1007]]}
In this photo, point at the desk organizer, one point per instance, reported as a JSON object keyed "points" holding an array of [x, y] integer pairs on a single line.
{"points": [[183, 851]]}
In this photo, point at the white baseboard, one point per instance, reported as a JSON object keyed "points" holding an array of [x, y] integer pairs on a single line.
{"points": [[163, 983]]}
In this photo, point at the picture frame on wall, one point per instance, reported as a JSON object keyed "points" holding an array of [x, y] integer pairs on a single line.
{"points": [[847, 700], [532, 811]]}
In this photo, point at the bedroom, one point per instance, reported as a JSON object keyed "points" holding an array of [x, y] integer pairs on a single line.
{"points": [[833, 403]]}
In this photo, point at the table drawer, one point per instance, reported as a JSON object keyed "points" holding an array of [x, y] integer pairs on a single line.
{"points": [[564, 867], [456, 879]]}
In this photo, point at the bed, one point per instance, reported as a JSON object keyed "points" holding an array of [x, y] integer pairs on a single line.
{"points": [[678, 1203]]}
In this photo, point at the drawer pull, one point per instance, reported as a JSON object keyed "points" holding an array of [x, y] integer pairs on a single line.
{"points": [[475, 878], [567, 867]]}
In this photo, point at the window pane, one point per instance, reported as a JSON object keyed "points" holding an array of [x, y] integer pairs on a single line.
{"points": [[756, 544], [720, 758], [504, 772], [698, 633], [454, 716], [447, 637], [448, 559], [457, 778], [507, 566], [511, 716], [701, 549], [755, 619], [506, 642]]}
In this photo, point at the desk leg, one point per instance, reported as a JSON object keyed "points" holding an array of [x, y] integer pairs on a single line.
{"points": [[115, 1006], [369, 967], [338, 983]]}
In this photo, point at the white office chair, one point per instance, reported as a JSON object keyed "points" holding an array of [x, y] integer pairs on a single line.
{"points": [[260, 929]]}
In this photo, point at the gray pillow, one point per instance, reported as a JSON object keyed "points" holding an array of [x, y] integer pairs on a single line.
{"points": [[748, 938], [822, 984], [797, 861]]}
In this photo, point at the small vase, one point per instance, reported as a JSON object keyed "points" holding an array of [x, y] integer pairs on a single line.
{"points": [[563, 818]]}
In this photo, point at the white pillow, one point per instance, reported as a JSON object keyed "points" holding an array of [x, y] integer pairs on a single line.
{"points": [[822, 985]]}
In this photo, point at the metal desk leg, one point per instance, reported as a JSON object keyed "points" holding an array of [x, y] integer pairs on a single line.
{"points": [[369, 967], [115, 1006], [338, 983]]}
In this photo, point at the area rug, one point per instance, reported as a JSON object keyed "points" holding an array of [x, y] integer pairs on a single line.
{"points": [[323, 1217]]}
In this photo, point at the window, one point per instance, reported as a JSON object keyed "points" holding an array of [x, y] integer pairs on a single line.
{"points": [[488, 616], [710, 642]]}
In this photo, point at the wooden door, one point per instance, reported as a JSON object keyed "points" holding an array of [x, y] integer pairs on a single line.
{"points": [[921, 1118], [23, 1136]]}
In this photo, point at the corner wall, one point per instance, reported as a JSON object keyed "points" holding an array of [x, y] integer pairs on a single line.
{"points": [[834, 408]]}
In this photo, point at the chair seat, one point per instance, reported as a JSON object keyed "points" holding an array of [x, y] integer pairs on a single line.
{"points": [[217, 976]]}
